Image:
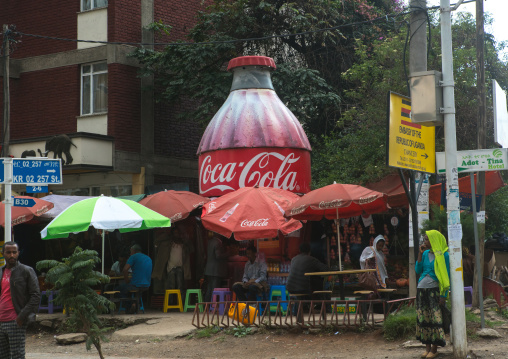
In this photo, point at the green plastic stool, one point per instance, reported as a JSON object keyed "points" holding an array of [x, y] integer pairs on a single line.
{"points": [[191, 306], [276, 291]]}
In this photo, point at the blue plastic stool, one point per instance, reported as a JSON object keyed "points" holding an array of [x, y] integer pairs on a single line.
{"points": [[468, 296], [280, 292], [141, 306], [49, 307]]}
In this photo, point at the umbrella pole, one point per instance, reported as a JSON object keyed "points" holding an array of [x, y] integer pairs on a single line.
{"points": [[337, 226], [103, 234]]}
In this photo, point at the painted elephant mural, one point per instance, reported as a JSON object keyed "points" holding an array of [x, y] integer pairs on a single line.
{"points": [[59, 145]]}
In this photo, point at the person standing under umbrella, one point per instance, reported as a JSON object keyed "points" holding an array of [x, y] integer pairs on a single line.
{"points": [[373, 258], [216, 265]]}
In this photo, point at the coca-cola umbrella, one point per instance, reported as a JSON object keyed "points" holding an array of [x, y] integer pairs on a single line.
{"points": [[176, 205], [251, 213], [24, 214], [338, 200]]}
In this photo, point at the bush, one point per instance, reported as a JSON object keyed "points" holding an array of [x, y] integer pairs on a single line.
{"points": [[401, 324]]}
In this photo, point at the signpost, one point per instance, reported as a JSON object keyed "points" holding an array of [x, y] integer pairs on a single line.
{"points": [[476, 160], [30, 171], [37, 189], [23, 202], [409, 146]]}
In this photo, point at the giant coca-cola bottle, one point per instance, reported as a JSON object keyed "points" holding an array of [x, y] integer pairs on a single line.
{"points": [[254, 139]]}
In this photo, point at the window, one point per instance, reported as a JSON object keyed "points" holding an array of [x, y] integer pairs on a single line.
{"points": [[93, 4], [94, 88]]}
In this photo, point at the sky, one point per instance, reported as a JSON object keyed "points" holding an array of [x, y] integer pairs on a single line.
{"points": [[497, 8]]}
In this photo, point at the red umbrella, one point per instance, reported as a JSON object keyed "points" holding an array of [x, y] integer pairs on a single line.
{"points": [[176, 205], [251, 213], [338, 200], [24, 214]]}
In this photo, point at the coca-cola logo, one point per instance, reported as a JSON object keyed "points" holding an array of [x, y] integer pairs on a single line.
{"points": [[262, 222], [369, 199], [198, 204], [336, 203], [297, 210], [176, 216], [263, 169]]}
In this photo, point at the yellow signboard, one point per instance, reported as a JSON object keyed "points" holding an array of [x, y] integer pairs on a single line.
{"points": [[410, 145]]}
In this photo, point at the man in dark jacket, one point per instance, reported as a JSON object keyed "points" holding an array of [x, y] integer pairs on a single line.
{"points": [[19, 300], [298, 282]]}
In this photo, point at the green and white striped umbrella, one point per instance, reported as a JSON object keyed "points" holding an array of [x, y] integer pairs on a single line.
{"points": [[106, 213]]}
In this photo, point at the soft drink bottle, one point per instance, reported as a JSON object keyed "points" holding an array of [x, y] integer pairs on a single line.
{"points": [[229, 213]]}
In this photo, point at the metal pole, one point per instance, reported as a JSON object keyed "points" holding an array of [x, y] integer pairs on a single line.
{"points": [[476, 243], [8, 198], [6, 99], [452, 190], [417, 63], [482, 143]]}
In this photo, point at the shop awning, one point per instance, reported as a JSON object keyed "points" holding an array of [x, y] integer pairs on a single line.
{"points": [[392, 186], [133, 197], [493, 182]]}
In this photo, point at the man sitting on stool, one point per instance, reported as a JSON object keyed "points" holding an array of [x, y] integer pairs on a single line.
{"points": [[254, 278], [141, 266]]}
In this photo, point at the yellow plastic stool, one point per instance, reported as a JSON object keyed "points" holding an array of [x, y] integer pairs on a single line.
{"points": [[166, 300]]}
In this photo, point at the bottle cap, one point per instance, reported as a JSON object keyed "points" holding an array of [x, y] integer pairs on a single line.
{"points": [[251, 61]]}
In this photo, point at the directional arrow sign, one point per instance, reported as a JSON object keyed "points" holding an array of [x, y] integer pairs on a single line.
{"points": [[409, 145], [36, 171], [23, 202], [476, 160]]}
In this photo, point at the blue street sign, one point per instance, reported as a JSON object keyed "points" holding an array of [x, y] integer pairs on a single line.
{"points": [[37, 189], [36, 171], [23, 202], [1, 170]]}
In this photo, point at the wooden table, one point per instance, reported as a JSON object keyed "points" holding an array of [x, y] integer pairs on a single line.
{"points": [[341, 275]]}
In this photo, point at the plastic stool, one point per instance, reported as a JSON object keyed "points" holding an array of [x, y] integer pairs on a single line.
{"points": [[280, 292], [133, 296], [49, 307], [199, 299], [220, 295], [178, 297], [468, 296]]}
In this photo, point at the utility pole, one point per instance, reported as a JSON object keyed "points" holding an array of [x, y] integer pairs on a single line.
{"points": [[481, 141], [452, 186], [417, 63], [6, 102]]}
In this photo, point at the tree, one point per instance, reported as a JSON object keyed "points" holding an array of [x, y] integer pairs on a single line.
{"points": [[309, 65], [360, 134], [74, 278]]}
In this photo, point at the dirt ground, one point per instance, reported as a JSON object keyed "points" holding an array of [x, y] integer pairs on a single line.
{"points": [[276, 343]]}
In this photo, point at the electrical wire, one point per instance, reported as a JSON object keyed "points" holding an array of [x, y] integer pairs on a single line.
{"points": [[381, 18]]}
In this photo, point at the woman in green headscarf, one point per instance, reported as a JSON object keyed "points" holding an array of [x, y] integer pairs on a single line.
{"points": [[433, 266]]}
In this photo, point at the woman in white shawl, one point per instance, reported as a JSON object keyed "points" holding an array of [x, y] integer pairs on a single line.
{"points": [[374, 258]]}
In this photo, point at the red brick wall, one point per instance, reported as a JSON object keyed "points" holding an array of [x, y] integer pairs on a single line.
{"points": [[124, 21], [174, 136], [41, 18], [45, 103], [124, 107]]}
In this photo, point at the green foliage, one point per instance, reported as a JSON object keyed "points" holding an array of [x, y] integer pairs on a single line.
{"points": [[240, 331], [401, 324], [206, 332], [74, 278], [439, 222], [496, 208]]}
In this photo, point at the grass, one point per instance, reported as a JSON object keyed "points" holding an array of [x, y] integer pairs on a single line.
{"points": [[401, 324], [239, 332], [206, 332]]}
